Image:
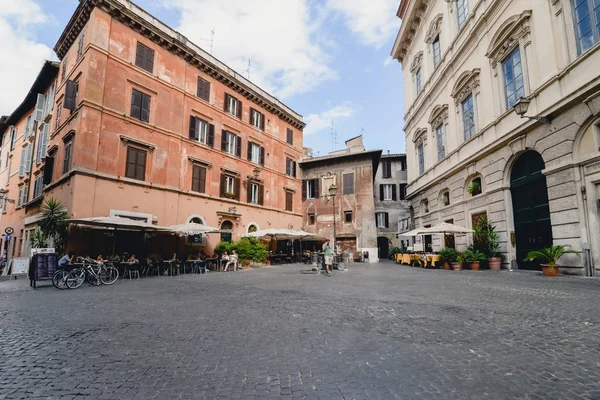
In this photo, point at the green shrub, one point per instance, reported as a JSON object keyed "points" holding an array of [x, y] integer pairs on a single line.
{"points": [[394, 251], [251, 249], [224, 247], [449, 255], [473, 256]]}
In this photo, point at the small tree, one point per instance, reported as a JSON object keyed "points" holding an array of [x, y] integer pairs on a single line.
{"points": [[53, 224], [38, 239], [251, 249]]}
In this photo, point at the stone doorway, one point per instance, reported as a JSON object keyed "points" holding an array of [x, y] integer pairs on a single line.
{"points": [[383, 244]]}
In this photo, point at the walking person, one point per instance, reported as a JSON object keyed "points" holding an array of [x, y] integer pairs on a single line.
{"points": [[328, 253]]}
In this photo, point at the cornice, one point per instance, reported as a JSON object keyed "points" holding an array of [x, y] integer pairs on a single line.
{"points": [[179, 46]]}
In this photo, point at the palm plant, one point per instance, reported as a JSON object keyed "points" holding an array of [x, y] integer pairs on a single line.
{"points": [[38, 239], [473, 256], [550, 255], [53, 223]]}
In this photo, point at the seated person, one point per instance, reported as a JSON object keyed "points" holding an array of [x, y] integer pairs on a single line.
{"points": [[232, 259], [66, 260], [133, 259], [100, 259]]}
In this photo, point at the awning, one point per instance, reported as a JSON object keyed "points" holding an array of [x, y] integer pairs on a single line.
{"points": [[190, 229], [446, 228], [115, 222]]}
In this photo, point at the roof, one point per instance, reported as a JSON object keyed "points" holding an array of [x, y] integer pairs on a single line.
{"points": [[393, 155], [45, 77], [146, 24], [330, 157]]}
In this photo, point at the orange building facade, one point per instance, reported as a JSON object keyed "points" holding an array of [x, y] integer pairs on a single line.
{"points": [[146, 125]]}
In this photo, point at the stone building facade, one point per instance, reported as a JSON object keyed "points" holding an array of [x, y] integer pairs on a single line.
{"points": [[392, 210], [466, 64], [352, 170], [147, 125]]}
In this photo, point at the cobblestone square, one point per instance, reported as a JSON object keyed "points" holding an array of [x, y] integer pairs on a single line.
{"points": [[374, 332]]}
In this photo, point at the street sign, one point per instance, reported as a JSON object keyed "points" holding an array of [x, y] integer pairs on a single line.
{"points": [[9, 231], [8, 237]]}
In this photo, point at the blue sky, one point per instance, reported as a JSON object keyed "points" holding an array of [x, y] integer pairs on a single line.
{"points": [[326, 59]]}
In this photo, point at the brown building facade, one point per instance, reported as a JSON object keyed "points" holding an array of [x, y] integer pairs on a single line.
{"points": [[147, 125], [352, 170]]}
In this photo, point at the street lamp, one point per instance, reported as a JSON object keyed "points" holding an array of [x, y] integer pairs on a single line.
{"points": [[521, 107], [332, 193]]}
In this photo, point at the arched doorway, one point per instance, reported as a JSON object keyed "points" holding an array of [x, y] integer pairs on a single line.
{"points": [[383, 244], [531, 212], [226, 231]]}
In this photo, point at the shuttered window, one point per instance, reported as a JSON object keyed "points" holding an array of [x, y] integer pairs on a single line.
{"points": [[233, 106], [290, 167], [310, 189], [348, 183], [383, 220], [144, 57], [257, 119], [199, 179], [136, 163], [80, 46], [203, 90], [289, 201], [58, 111], [68, 156], [230, 187], [290, 136], [403, 191], [71, 89], [256, 193], [386, 169], [140, 106], [256, 153], [201, 131], [231, 143]]}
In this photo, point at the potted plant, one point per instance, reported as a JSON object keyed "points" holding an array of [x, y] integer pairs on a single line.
{"points": [[550, 256], [493, 242], [447, 255], [230, 195], [457, 261], [474, 188], [474, 257]]}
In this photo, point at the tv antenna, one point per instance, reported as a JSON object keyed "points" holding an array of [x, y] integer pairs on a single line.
{"points": [[247, 71], [333, 136], [211, 40]]}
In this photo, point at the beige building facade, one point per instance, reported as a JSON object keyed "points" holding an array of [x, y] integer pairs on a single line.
{"points": [[466, 64]]}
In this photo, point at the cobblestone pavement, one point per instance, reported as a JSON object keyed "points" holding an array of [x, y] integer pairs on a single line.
{"points": [[374, 332]]}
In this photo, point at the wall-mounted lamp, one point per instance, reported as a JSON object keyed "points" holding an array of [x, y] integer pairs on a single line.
{"points": [[521, 107], [4, 196], [255, 174]]}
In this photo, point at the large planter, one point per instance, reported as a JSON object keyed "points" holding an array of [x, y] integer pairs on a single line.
{"points": [[456, 266], [495, 263], [547, 270], [446, 266], [475, 266]]}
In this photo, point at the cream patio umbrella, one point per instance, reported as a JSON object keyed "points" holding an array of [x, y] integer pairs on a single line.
{"points": [[190, 229], [446, 228]]}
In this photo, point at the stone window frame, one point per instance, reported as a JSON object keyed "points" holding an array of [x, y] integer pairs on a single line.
{"points": [[467, 85], [513, 33], [417, 66], [442, 197], [420, 139], [434, 32], [440, 116], [470, 180], [424, 206]]}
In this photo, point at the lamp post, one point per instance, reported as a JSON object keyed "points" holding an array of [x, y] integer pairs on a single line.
{"points": [[332, 193]]}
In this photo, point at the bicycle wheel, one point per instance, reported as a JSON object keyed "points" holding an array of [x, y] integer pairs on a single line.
{"points": [[59, 279], [75, 278], [109, 275], [341, 266]]}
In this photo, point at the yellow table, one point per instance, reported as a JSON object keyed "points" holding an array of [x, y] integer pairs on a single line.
{"points": [[433, 259]]}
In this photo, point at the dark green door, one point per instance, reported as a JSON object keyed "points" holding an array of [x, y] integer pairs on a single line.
{"points": [[533, 229]]}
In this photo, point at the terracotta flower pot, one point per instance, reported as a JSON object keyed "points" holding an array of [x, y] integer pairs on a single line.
{"points": [[549, 271], [456, 266], [475, 266], [495, 263], [446, 266]]}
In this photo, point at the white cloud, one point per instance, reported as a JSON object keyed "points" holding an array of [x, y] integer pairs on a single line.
{"points": [[388, 60], [279, 37], [319, 122], [22, 57], [373, 21]]}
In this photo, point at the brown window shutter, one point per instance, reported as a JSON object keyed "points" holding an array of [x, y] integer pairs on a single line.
{"points": [[317, 188], [193, 132], [237, 188], [48, 170], [195, 178], [394, 192], [149, 60], [261, 194], [250, 151], [223, 140], [387, 220], [262, 155], [381, 192], [294, 171], [222, 194], [252, 111], [136, 104], [145, 108], [139, 55], [262, 123], [249, 192], [70, 95], [304, 183], [239, 110], [202, 188], [210, 140], [226, 106], [238, 146]]}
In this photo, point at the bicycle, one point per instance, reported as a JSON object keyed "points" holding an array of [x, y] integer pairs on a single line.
{"points": [[94, 272], [338, 263], [59, 279]]}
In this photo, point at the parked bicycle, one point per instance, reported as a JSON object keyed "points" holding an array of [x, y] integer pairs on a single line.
{"points": [[337, 262], [94, 272]]}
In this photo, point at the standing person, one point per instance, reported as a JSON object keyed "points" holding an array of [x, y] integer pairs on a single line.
{"points": [[328, 257], [66, 260]]}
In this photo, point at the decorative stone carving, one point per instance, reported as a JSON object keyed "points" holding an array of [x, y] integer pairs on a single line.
{"points": [[434, 29], [420, 137], [417, 61], [466, 84], [439, 115], [507, 37]]}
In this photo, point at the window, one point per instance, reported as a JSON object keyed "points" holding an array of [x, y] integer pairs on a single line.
{"points": [[71, 89], [386, 169], [20, 197], [418, 80], [387, 192], [25, 162], [58, 111], [42, 144], [199, 179], [403, 191], [136, 163], [348, 180], [49, 101], [230, 187], [421, 158], [257, 119], [253, 193], [462, 11], [425, 206], [231, 143], [38, 186], [289, 197], [28, 127], [310, 189], [13, 137], [201, 131], [256, 153], [203, 89], [383, 220], [587, 23], [446, 198], [233, 106], [144, 57], [468, 117], [311, 219], [347, 217], [437, 51], [68, 156], [80, 46], [140, 105], [290, 136], [513, 78], [439, 136], [474, 187], [63, 72], [290, 167]]}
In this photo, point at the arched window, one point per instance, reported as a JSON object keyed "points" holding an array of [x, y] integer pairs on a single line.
{"points": [[196, 220], [445, 198], [226, 231], [425, 206], [465, 93], [252, 228], [475, 187]]}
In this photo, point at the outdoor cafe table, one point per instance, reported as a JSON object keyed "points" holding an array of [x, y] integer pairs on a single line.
{"points": [[409, 258], [432, 259]]}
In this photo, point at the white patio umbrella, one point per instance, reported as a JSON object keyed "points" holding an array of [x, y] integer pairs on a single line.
{"points": [[115, 222], [273, 233], [446, 228], [190, 229]]}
